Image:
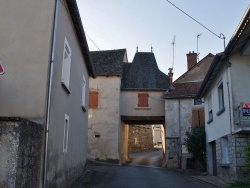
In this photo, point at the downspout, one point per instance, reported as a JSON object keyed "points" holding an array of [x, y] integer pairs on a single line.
{"points": [[51, 68], [229, 96], [179, 124]]}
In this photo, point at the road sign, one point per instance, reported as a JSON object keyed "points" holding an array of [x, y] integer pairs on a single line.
{"points": [[1, 68]]}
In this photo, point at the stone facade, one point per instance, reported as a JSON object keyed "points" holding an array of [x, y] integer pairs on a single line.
{"points": [[235, 168], [21, 144], [140, 138]]}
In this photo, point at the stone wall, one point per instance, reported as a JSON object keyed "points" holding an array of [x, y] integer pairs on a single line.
{"points": [[235, 169], [21, 144], [140, 138]]}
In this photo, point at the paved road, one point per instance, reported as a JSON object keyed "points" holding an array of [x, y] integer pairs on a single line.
{"points": [[152, 158], [130, 176]]}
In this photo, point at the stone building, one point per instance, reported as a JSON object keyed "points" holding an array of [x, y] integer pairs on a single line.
{"points": [[181, 110], [127, 94]]}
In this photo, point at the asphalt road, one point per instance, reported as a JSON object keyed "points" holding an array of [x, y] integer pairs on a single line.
{"points": [[131, 176]]}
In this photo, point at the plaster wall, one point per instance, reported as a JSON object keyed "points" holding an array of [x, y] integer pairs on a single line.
{"points": [[129, 104], [220, 126], [26, 28], [240, 79], [64, 167], [178, 120], [104, 122]]}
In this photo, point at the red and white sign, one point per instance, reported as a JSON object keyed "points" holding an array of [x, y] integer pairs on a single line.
{"points": [[1, 68]]}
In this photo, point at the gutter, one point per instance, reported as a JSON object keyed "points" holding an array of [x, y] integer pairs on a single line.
{"points": [[51, 68], [179, 123]]}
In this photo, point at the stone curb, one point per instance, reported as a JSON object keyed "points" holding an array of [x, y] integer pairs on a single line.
{"points": [[207, 179]]}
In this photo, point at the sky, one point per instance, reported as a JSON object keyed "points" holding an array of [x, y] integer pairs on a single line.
{"points": [[119, 24]]}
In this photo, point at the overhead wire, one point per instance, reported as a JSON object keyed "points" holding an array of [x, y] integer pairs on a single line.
{"points": [[221, 36]]}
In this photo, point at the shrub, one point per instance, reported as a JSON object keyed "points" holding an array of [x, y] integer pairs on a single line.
{"points": [[196, 145]]}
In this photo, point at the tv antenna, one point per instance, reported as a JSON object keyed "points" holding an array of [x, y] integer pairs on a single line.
{"points": [[198, 35], [173, 43]]}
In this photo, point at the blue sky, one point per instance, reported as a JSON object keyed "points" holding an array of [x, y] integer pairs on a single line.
{"points": [[116, 24]]}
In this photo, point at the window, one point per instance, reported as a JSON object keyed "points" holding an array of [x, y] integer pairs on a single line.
{"points": [[143, 100], [66, 65], [93, 99], [66, 132], [198, 119], [221, 99], [210, 111], [224, 150], [83, 93], [197, 101]]}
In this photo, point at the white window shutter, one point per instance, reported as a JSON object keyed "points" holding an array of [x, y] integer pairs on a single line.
{"points": [[83, 92], [66, 65]]}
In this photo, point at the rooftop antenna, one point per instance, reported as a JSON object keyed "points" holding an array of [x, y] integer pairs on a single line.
{"points": [[137, 48], [173, 43], [151, 48], [198, 35]]}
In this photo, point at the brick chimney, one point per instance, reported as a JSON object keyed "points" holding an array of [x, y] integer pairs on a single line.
{"points": [[170, 76], [191, 59]]}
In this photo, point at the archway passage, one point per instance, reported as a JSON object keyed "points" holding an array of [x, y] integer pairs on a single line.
{"points": [[143, 141]]}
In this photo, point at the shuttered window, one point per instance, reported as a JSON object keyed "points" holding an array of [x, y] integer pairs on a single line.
{"points": [[93, 99], [66, 64], [198, 118], [143, 100]]}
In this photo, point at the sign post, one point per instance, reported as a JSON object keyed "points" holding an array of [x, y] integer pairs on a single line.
{"points": [[246, 111]]}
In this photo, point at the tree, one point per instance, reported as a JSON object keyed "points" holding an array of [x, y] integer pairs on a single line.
{"points": [[196, 145]]}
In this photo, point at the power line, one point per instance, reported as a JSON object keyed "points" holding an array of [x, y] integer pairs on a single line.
{"points": [[93, 42], [221, 36]]}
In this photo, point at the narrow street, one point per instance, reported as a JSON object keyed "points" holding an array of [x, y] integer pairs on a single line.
{"points": [[131, 176], [143, 171]]}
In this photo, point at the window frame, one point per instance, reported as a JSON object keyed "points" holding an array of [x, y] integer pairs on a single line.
{"points": [[143, 100], [83, 103], [65, 133], [66, 65], [224, 151], [221, 101], [93, 100], [210, 109]]}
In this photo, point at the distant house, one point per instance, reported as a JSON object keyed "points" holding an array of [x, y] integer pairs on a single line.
{"points": [[104, 105], [123, 94], [43, 112], [182, 111], [226, 94]]}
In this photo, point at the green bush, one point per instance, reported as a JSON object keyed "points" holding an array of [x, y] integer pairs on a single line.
{"points": [[247, 160], [196, 145], [246, 183]]}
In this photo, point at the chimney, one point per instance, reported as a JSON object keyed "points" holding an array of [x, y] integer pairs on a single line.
{"points": [[170, 76], [191, 59]]}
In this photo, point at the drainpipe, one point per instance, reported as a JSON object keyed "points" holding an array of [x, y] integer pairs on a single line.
{"points": [[52, 60], [229, 96], [179, 123]]}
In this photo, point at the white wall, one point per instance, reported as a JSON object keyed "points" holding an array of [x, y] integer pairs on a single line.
{"points": [[220, 126], [105, 120]]}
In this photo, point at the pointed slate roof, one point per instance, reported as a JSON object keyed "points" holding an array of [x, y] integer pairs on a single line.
{"points": [[188, 84], [108, 62], [143, 74]]}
